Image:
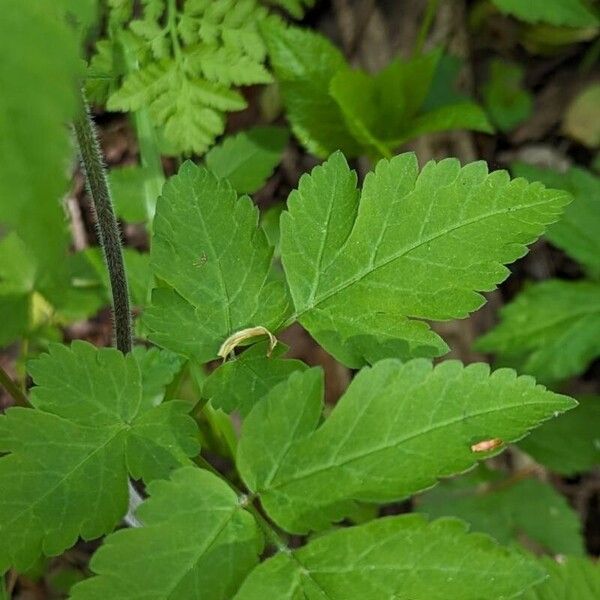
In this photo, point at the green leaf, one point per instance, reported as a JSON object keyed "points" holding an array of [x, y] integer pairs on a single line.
{"points": [[552, 328], [240, 383], [216, 262], [40, 52], [507, 102], [184, 63], [296, 8], [248, 158], [197, 541], [67, 463], [577, 231], [158, 368], [384, 110], [570, 13], [304, 63], [128, 191], [508, 508], [397, 429], [570, 579], [395, 557], [412, 246], [571, 444]]}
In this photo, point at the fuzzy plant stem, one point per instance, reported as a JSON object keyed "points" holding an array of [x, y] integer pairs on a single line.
{"points": [[108, 228], [12, 388], [110, 239]]}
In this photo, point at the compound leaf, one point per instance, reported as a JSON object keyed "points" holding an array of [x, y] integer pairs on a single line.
{"points": [[215, 263], [570, 579], [196, 541], [240, 383], [397, 429], [552, 328], [395, 557], [66, 468], [412, 246], [248, 159], [571, 444], [508, 509]]}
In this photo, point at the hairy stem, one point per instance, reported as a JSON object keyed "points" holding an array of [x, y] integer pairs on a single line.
{"points": [[108, 228], [110, 239], [12, 388]]}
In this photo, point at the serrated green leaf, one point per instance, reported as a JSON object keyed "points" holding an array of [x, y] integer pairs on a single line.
{"points": [[570, 579], [505, 99], [396, 557], [128, 193], [248, 159], [66, 468], [304, 63], [215, 259], [240, 383], [197, 541], [410, 246], [552, 328], [571, 444], [570, 13], [158, 368], [577, 231], [507, 509], [397, 429]]}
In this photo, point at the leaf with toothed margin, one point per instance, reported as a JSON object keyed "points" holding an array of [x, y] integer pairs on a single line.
{"points": [[402, 558], [397, 429], [68, 459], [365, 269], [214, 262], [197, 541]]}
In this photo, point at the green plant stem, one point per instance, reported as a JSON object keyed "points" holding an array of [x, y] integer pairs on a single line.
{"points": [[108, 228], [270, 533], [428, 17], [13, 389]]}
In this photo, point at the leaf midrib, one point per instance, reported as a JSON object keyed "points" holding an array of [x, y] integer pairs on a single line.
{"points": [[405, 251], [397, 442]]}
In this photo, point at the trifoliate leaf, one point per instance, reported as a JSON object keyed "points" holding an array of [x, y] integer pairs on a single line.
{"points": [[197, 541], [508, 509], [577, 231], [396, 430], [570, 13], [40, 52], [66, 468], [215, 260], [412, 246], [395, 557], [507, 103], [248, 158], [570, 579], [570, 444], [581, 120], [158, 368], [305, 63], [552, 327], [240, 383]]}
